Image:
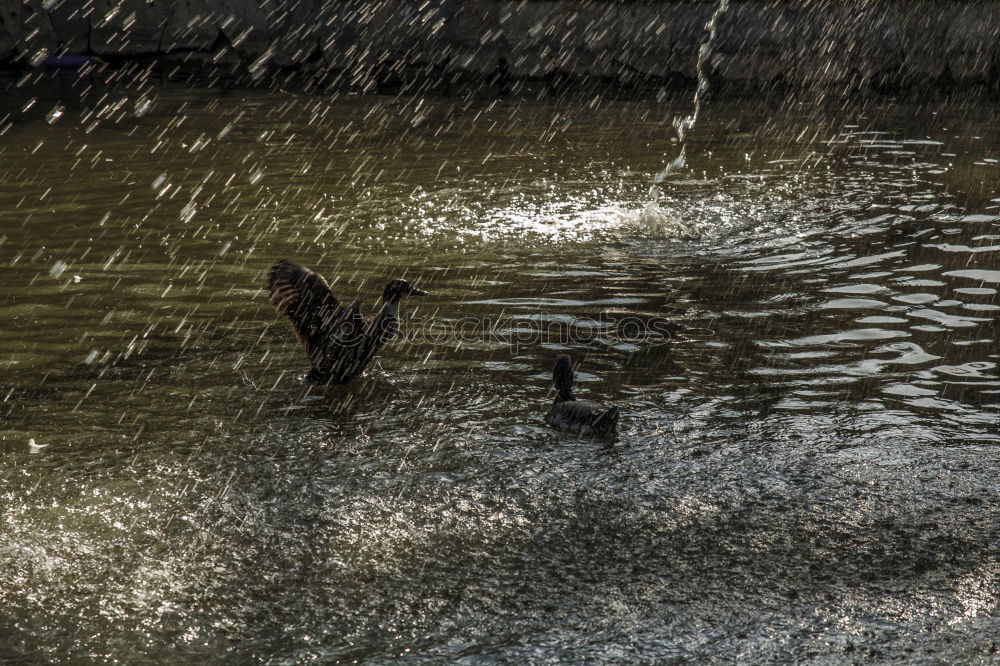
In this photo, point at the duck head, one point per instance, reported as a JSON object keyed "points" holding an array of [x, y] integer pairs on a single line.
{"points": [[396, 289], [562, 377]]}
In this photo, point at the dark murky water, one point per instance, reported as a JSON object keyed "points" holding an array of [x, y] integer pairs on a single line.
{"points": [[807, 467]]}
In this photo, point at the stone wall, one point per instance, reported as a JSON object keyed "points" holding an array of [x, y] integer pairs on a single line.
{"points": [[835, 45]]}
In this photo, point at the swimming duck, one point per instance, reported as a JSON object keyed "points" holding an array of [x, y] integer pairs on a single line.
{"points": [[583, 417], [339, 341]]}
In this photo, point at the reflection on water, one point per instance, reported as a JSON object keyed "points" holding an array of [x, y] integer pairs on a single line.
{"points": [[807, 464]]}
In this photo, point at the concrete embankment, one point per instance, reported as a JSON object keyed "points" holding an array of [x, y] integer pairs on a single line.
{"points": [[837, 46]]}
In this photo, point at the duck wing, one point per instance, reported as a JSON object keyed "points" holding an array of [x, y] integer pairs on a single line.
{"points": [[304, 297], [607, 421], [583, 416]]}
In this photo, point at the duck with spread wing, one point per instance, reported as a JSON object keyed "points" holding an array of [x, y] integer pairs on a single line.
{"points": [[340, 341]]}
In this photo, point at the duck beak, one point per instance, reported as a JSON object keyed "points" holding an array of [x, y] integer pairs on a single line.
{"points": [[417, 292]]}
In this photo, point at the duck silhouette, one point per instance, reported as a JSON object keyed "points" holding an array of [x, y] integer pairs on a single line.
{"points": [[583, 417], [339, 341]]}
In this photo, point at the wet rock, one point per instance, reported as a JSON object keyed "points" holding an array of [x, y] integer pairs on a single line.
{"points": [[401, 31], [71, 22], [243, 24], [295, 33], [336, 37], [190, 25], [535, 39], [662, 41], [28, 26], [921, 33], [839, 47], [973, 40], [599, 42], [126, 28], [384, 43], [477, 39], [8, 51]]}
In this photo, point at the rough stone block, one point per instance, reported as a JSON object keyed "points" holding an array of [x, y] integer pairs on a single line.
{"points": [[649, 40], [71, 22], [601, 62], [580, 40], [382, 40], [244, 25], [28, 26], [921, 29], [813, 46], [126, 27], [974, 26], [534, 35], [338, 40], [190, 25], [295, 38], [8, 51], [474, 24], [401, 29], [10, 12], [846, 45], [973, 41]]}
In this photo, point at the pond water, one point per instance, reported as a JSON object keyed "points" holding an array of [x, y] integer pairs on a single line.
{"points": [[809, 442]]}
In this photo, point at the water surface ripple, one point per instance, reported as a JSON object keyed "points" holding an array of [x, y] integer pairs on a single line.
{"points": [[807, 468]]}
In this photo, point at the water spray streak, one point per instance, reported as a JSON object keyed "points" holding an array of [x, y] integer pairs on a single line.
{"points": [[682, 125]]}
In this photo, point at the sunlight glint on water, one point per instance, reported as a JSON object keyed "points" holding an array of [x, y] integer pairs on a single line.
{"points": [[805, 465]]}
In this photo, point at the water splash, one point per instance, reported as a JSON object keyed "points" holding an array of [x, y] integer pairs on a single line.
{"points": [[685, 124], [55, 114], [58, 268]]}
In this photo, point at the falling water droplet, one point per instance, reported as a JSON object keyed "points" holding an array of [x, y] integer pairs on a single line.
{"points": [[142, 107], [58, 268], [39, 57], [678, 163], [55, 114], [188, 212]]}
